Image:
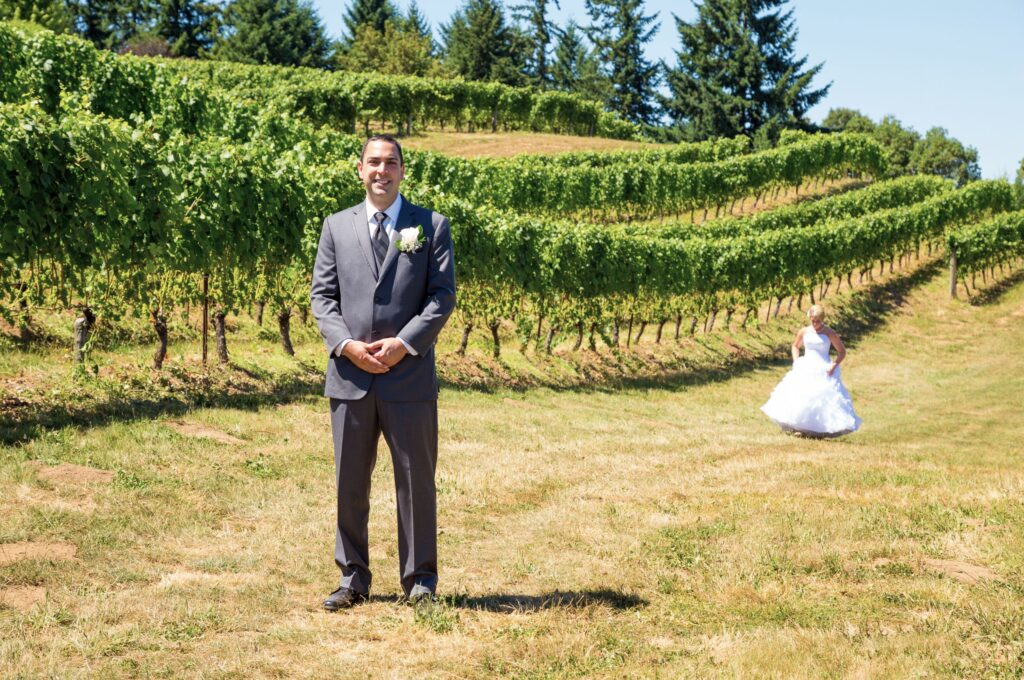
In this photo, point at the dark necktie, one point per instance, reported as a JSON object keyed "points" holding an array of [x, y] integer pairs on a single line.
{"points": [[380, 239]]}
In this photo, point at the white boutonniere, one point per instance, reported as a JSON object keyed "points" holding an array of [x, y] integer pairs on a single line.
{"points": [[410, 240]]}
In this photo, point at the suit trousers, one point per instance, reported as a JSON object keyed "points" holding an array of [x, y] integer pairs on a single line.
{"points": [[410, 430]]}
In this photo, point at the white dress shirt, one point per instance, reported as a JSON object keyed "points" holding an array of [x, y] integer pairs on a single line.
{"points": [[391, 211], [391, 220]]}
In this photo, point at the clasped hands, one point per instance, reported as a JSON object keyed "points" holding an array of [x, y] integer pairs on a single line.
{"points": [[375, 357]]}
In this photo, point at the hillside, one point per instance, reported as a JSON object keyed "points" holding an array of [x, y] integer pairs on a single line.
{"points": [[486, 144]]}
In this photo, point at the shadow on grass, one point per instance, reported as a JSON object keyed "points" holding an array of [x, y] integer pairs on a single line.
{"points": [[996, 291], [870, 307], [522, 604], [21, 422], [579, 599], [31, 338], [719, 359]]}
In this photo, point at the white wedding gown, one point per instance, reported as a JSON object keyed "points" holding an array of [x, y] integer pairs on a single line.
{"points": [[809, 400]]}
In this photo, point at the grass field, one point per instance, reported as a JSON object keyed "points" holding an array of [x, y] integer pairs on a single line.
{"points": [[477, 144], [647, 521]]}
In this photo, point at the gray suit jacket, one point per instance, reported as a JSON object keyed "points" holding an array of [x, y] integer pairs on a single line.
{"points": [[411, 296]]}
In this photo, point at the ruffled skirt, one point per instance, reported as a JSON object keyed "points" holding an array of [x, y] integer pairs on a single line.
{"points": [[811, 402]]}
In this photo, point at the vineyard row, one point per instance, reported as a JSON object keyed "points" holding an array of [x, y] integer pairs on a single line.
{"points": [[117, 219], [43, 64]]}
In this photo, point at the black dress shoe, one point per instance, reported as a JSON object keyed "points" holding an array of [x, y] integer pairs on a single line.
{"points": [[421, 595], [343, 598]]}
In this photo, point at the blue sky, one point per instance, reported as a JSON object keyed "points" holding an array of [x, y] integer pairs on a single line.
{"points": [[945, 63]]}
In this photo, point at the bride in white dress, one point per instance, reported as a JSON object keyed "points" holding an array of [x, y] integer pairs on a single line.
{"points": [[811, 399]]}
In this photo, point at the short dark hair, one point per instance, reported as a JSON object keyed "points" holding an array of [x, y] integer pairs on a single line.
{"points": [[382, 138]]}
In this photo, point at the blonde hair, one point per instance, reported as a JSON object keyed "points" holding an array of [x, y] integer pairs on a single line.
{"points": [[816, 312]]}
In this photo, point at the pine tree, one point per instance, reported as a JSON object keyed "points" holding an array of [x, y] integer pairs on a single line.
{"points": [[570, 55], [619, 31], [737, 71], [97, 21], [188, 26], [287, 32], [111, 24], [375, 13], [51, 14], [575, 68], [415, 22], [479, 45], [134, 18], [540, 32], [396, 52]]}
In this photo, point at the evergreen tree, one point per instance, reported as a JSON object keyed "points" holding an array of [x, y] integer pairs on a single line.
{"points": [[188, 26], [619, 31], [738, 73], [395, 52], [96, 20], [51, 14], [415, 22], [134, 19], [373, 13], [111, 24], [539, 33], [570, 55], [286, 32], [575, 68], [939, 154], [479, 45]]}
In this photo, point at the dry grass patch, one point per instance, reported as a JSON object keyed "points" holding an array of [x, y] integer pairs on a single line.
{"points": [[477, 144], [22, 598], [961, 571], [69, 473], [20, 551], [202, 432], [63, 500]]}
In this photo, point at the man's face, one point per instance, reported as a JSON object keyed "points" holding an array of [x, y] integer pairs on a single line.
{"points": [[381, 172]]}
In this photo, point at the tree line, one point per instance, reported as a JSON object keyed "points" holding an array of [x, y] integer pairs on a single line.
{"points": [[910, 153]]}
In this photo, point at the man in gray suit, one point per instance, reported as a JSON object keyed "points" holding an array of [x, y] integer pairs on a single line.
{"points": [[382, 290]]}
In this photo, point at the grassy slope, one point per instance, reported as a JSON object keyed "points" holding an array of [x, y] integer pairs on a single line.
{"points": [[666, 530], [475, 144]]}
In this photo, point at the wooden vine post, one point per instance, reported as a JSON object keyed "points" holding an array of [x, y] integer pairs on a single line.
{"points": [[952, 273], [206, 313]]}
